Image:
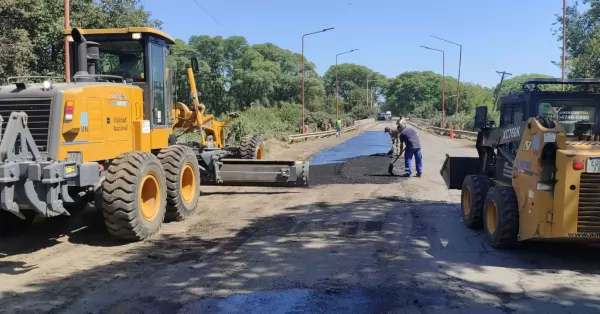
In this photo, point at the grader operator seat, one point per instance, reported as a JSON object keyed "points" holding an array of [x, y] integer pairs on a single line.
{"points": [[128, 66], [138, 55]]}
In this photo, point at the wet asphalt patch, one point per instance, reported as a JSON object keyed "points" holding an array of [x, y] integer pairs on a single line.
{"points": [[358, 170]]}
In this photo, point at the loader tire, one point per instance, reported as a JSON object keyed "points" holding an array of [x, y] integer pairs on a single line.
{"points": [[134, 194], [472, 200], [501, 217], [183, 181], [252, 147]]}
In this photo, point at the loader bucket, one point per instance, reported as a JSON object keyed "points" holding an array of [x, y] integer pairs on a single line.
{"points": [[455, 169]]}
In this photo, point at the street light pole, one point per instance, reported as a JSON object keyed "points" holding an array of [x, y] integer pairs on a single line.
{"points": [[321, 31], [337, 93], [459, 66], [368, 91], [443, 78]]}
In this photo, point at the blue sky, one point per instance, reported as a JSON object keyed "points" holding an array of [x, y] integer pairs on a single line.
{"points": [[510, 35]]}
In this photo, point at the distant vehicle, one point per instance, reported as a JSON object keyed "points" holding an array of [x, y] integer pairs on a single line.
{"points": [[382, 116]]}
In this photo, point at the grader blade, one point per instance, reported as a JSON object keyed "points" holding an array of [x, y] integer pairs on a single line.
{"points": [[252, 172]]}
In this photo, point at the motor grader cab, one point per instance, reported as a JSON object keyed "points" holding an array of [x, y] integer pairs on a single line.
{"points": [[537, 175], [107, 138]]}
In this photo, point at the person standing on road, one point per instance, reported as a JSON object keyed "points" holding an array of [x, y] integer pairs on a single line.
{"points": [[410, 138], [338, 127], [400, 120], [395, 135]]}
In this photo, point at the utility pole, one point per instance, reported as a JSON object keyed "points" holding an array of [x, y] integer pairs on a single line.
{"points": [[564, 42], [503, 73], [67, 26]]}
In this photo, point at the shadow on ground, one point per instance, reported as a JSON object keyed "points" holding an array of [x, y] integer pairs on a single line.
{"points": [[84, 227], [370, 256]]}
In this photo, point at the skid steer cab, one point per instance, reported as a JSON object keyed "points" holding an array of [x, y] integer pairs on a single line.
{"points": [[108, 138], [533, 177]]}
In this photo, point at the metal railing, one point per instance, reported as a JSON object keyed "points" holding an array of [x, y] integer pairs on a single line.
{"points": [[357, 123], [296, 137], [424, 125]]}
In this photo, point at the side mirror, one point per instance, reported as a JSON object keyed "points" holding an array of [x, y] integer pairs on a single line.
{"points": [[480, 117], [195, 66]]}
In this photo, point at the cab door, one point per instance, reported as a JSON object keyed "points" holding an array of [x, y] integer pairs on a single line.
{"points": [[160, 87]]}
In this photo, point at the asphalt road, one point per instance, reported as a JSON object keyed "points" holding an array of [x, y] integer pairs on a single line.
{"points": [[357, 241]]}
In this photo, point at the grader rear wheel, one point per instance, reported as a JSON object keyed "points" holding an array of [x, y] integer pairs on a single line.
{"points": [[134, 196], [183, 181], [252, 148]]}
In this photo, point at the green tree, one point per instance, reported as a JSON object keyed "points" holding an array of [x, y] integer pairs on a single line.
{"points": [[33, 30]]}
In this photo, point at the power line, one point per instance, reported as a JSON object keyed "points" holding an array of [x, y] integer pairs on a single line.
{"points": [[214, 18]]}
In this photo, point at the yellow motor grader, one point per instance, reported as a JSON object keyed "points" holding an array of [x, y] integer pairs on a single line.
{"points": [[108, 137]]}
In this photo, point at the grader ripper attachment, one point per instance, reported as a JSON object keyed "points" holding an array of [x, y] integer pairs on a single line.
{"points": [[537, 176], [107, 138]]}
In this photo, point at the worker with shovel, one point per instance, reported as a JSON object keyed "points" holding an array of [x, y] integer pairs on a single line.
{"points": [[410, 138]]}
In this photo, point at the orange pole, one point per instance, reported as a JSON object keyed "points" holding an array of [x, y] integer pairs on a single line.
{"points": [[67, 59]]}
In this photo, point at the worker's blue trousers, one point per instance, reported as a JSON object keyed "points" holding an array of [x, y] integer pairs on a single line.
{"points": [[409, 152]]}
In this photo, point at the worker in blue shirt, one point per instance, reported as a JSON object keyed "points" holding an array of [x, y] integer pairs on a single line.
{"points": [[410, 138]]}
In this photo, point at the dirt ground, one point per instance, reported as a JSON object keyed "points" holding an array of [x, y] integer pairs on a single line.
{"points": [[357, 241]]}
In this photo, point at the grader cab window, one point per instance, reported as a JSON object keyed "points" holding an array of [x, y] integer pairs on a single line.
{"points": [[574, 115], [122, 58]]}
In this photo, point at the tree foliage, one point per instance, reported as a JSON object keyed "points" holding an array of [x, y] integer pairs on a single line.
{"points": [[583, 39], [420, 94], [31, 41], [262, 81]]}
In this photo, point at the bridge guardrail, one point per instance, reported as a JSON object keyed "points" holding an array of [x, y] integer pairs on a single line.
{"points": [[296, 137], [424, 125], [357, 123]]}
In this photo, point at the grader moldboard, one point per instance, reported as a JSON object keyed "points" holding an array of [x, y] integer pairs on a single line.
{"points": [[537, 175], [107, 138]]}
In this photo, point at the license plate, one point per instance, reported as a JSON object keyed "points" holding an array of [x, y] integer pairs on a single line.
{"points": [[74, 157], [593, 165]]}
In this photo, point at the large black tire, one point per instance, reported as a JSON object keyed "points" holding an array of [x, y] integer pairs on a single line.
{"points": [[11, 224], [252, 147], [134, 196], [472, 200], [183, 181], [501, 217]]}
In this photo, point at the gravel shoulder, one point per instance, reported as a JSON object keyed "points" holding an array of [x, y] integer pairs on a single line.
{"points": [[347, 245]]}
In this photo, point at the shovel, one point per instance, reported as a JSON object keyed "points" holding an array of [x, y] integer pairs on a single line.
{"points": [[391, 166]]}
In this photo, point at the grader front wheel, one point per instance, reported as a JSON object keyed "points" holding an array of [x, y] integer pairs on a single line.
{"points": [[183, 181], [134, 196], [252, 148]]}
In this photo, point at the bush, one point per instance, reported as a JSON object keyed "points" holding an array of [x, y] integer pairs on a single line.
{"points": [[273, 123], [463, 120], [362, 112]]}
